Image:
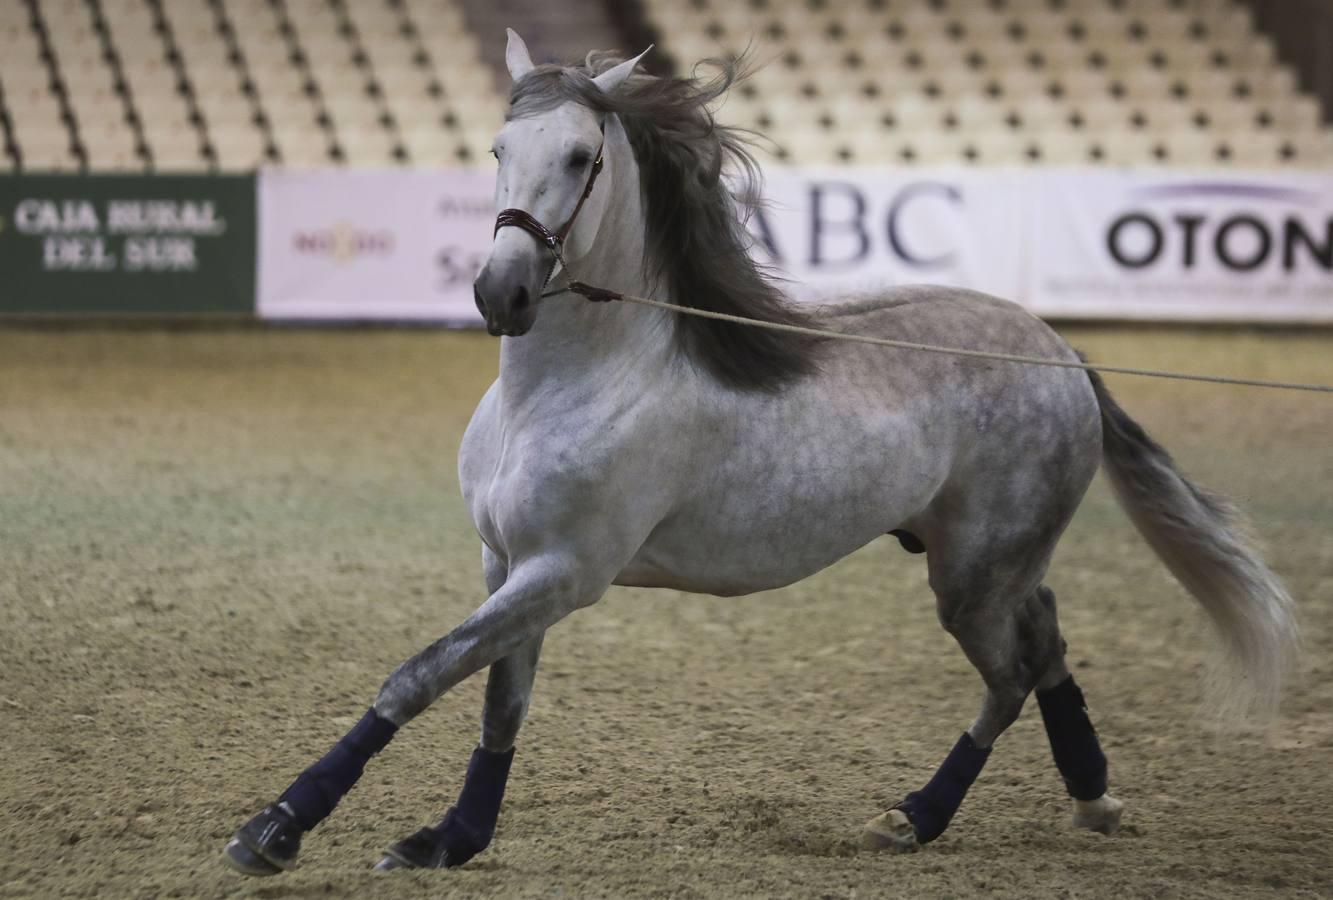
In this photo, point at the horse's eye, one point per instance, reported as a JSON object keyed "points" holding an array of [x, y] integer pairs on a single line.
{"points": [[579, 158]]}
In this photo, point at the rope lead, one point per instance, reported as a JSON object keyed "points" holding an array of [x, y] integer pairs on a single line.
{"points": [[603, 295]]}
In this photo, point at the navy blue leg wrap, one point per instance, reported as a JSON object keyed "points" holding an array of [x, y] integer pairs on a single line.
{"points": [[931, 808], [469, 825], [318, 789], [1078, 753]]}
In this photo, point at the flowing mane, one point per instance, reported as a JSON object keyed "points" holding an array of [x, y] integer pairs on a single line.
{"points": [[697, 245]]}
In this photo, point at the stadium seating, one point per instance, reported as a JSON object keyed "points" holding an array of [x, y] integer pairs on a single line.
{"points": [[1119, 82], [230, 85]]}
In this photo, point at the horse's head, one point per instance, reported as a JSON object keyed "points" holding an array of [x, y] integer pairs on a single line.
{"points": [[549, 153]]}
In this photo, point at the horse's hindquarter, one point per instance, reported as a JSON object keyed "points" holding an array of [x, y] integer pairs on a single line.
{"points": [[1023, 441], [789, 483]]}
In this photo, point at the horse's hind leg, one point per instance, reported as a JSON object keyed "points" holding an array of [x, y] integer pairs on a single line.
{"points": [[1012, 643], [1074, 744], [1017, 648]]}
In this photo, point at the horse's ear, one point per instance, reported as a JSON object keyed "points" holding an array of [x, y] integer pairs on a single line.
{"points": [[612, 78], [517, 57]]}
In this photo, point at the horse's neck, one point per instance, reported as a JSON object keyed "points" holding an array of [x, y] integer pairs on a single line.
{"points": [[573, 339]]}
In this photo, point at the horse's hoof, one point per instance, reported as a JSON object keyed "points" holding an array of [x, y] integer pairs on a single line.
{"points": [[244, 860], [389, 863], [891, 831], [266, 845], [423, 850], [1101, 815]]}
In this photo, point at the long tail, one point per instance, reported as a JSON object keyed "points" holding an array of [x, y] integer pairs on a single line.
{"points": [[1201, 539]]}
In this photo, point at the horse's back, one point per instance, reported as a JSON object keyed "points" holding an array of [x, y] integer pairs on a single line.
{"points": [[971, 389], [946, 316]]}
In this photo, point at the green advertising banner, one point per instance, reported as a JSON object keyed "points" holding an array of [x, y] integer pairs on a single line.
{"points": [[127, 245]]}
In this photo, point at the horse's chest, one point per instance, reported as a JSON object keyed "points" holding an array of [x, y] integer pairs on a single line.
{"points": [[520, 476], [479, 459]]}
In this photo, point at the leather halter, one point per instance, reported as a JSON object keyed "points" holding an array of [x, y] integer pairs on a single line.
{"points": [[552, 240]]}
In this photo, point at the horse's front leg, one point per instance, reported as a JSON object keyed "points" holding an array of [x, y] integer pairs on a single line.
{"points": [[508, 626], [469, 825]]}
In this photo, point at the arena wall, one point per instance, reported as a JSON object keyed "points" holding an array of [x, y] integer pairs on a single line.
{"points": [[405, 244]]}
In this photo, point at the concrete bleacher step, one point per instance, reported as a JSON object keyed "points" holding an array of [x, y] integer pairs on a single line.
{"points": [[554, 30], [1121, 82], [232, 84]]}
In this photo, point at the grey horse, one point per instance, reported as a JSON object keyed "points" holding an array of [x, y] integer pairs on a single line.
{"points": [[634, 446]]}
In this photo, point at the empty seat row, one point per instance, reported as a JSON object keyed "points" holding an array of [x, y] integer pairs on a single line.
{"points": [[235, 84], [1178, 82]]}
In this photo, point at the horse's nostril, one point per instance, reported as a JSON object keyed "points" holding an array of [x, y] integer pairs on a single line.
{"points": [[521, 299]]}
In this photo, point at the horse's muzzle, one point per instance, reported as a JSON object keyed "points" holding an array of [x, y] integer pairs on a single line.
{"points": [[511, 316]]}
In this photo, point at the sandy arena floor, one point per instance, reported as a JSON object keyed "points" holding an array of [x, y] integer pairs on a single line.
{"points": [[214, 545]]}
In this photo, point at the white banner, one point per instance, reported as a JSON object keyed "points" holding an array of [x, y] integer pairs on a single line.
{"points": [[396, 245], [1181, 246], [835, 230], [1087, 243]]}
